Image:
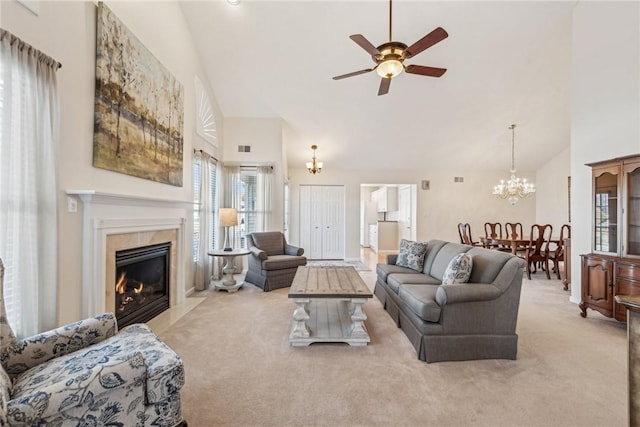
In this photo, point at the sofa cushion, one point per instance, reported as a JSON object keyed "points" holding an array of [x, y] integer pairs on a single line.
{"points": [[421, 299], [394, 280], [433, 247], [279, 262], [272, 242], [458, 270], [444, 257], [411, 254], [384, 270], [487, 264]]}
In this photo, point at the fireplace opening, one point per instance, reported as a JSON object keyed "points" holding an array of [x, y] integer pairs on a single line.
{"points": [[142, 283]]}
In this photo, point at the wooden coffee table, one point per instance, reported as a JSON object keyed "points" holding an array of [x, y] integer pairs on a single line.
{"points": [[329, 306]]}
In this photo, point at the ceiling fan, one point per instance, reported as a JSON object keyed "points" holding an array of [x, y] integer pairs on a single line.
{"points": [[389, 57]]}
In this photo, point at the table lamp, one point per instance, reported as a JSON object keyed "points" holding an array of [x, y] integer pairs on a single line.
{"points": [[228, 218]]}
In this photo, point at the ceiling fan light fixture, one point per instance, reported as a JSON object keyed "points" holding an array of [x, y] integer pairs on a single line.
{"points": [[389, 68]]}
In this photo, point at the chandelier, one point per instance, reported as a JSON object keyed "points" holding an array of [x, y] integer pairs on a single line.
{"points": [[515, 188], [314, 166]]}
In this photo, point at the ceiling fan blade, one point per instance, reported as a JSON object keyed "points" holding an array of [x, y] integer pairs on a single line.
{"points": [[427, 41], [384, 85], [425, 71], [355, 73], [365, 44]]}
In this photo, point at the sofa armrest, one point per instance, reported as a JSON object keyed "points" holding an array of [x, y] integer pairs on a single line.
{"points": [[391, 259], [293, 250], [94, 388], [32, 351], [466, 292], [258, 253]]}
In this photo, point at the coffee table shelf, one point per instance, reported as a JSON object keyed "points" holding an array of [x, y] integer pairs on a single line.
{"points": [[329, 304]]}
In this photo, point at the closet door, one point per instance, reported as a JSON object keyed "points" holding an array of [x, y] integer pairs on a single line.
{"points": [[322, 221], [333, 222]]}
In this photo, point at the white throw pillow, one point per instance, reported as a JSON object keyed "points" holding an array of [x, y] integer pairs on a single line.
{"points": [[458, 270]]}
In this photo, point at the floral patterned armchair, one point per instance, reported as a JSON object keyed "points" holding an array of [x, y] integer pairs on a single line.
{"points": [[88, 374]]}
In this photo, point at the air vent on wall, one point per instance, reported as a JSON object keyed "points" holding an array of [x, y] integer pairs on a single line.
{"points": [[458, 179], [244, 148]]}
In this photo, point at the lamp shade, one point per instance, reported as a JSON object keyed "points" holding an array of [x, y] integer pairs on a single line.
{"points": [[228, 217]]}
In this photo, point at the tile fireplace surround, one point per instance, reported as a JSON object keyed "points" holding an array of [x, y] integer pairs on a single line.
{"points": [[113, 222]]}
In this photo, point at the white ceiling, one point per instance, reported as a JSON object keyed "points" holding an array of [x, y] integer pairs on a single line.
{"points": [[508, 62]]}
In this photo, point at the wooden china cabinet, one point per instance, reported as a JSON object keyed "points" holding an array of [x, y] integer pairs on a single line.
{"points": [[613, 266]]}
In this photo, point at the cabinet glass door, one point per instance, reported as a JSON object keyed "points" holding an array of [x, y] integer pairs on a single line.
{"points": [[606, 213], [632, 210]]}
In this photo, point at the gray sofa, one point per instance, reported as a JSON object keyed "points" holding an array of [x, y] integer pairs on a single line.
{"points": [[466, 321]]}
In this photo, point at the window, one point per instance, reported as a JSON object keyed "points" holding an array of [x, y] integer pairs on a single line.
{"points": [[204, 211], [247, 213]]}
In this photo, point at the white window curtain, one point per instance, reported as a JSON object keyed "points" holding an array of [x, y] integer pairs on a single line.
{"points": [[264, 197], [28, 185], [204, 217]]}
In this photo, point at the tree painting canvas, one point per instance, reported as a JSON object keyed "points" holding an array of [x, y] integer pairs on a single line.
{"points": [[138, 108]]}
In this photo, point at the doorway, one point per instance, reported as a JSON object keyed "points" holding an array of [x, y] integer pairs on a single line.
{"points": [[388, 214]]}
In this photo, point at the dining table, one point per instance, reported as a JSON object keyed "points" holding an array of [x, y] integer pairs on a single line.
{"points": [[515, 244]]}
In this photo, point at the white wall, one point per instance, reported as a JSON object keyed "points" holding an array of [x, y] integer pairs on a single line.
{"points": [[605, 105], [265, 136], [439, 209], [66, 31], [552, 193]]}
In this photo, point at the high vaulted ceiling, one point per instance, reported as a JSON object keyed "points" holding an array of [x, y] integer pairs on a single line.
{"points": [[508, 62]]}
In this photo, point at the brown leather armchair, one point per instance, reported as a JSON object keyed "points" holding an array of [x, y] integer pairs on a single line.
{"points": [[272, 261]]}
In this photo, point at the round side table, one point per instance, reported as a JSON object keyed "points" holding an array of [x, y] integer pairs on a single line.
{"points": [[228, 282]]}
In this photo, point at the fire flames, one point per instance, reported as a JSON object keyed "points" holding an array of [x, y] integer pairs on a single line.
{"points": [[127, 290]]}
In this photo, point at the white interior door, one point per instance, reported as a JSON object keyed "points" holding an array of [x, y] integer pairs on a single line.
{"points": [[333, 222], [322, 220], [316, 223], [404, 216]]}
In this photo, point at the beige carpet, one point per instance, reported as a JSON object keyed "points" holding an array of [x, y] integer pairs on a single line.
{"points": [[241, 370]]}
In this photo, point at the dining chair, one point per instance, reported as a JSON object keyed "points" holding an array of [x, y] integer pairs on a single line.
{"points": [[558, 254], [538, 249], [492, 231], [513, 231], [464, 231]]}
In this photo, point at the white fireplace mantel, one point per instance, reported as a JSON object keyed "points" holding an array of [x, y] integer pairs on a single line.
{"points": [[99, 220], [98, 197]]}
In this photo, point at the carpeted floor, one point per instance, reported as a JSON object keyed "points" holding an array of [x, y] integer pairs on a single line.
{"points": [[240, 369]]}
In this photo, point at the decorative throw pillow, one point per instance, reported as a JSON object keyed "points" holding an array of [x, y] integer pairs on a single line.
{"points": [[6, 386], [458, 270], [411, 254]]}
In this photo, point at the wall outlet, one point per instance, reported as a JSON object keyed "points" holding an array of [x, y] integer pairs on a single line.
{"points": [[72, 204]]}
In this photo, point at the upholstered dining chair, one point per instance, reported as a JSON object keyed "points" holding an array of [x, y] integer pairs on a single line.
{"points": [[272, 261], [538, 249], [88, 374], [557, 255]]}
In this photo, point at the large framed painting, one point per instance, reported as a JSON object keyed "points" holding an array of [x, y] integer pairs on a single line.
{"points": [[139, 107]]}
